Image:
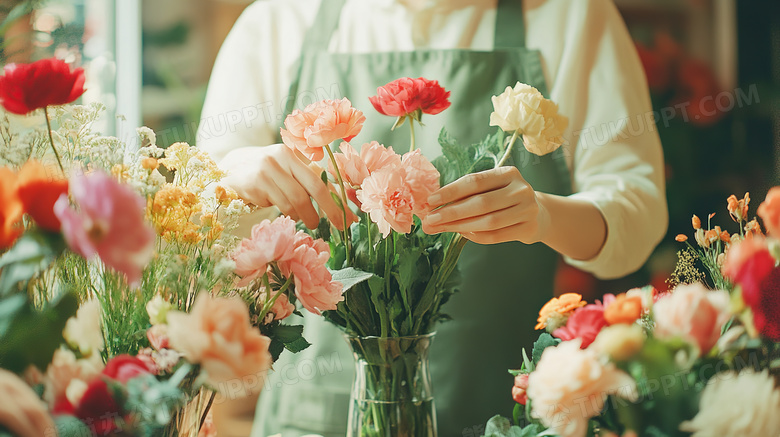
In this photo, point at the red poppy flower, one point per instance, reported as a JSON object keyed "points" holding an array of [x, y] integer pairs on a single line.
{"points": [[406, 96], [27, 87], [38, 189]]}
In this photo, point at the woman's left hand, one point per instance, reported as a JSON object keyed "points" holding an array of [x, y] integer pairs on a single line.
{"points": [[490, 207]]}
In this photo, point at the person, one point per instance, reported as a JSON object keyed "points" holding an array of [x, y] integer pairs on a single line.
{"points": [[598, 201]]}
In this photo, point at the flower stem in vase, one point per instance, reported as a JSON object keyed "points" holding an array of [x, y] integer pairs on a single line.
{"points": [[51, 138], [343, 199], [508, 150]]}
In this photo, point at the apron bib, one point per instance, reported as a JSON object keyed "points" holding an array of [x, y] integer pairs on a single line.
{"points": [[504, 285]]}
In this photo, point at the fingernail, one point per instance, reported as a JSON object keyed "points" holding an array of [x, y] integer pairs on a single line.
{"points": [[433, 219], [434, 199]]}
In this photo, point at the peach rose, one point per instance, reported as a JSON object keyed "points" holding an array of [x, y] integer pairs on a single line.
{"points": [[422, 178], [769, 211], [319, 125], [570, 385], [693, 313], [625, 309], [217, 335], [377, 156], [281, 309], [356, 167], [564, 304], [388, 201], [21, 411]]}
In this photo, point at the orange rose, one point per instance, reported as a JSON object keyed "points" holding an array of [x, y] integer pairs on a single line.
{"points": [[769, 211], [38, 189], [624, 310], [217, 335], [563, 305]]}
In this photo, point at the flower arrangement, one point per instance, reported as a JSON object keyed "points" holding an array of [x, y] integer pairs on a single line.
{"points": [[695, 361], [119, 265]]}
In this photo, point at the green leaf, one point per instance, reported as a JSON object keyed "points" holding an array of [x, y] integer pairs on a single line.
{"points": [[288, 337], [350, 276], [499, 426], [545, 340], [337, 199], [324, 177], [32, 253]]}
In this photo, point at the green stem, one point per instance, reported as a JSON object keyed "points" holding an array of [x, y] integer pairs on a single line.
{"points": [[51, 138], [270, 304], [411, 129], [343, 200], [508, 150]]}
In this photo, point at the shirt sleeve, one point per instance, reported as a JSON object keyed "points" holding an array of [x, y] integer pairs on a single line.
{"points": [[612, 143]]}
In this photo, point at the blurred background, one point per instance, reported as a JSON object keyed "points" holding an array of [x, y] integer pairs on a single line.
{"points": [[713, 67]]}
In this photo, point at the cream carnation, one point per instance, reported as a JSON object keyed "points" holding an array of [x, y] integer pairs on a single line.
{"points": [[570, 385], [619, 342], [523, 109], [83, 331], [737, 406]]}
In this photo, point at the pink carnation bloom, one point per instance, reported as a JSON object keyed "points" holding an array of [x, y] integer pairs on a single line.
{"points": [[584, 324], [320, 124], [693, 313], [270, 241], [109, 223], [281, 309], [388, 201], [356, 167], [314, 285], [422, 178]]}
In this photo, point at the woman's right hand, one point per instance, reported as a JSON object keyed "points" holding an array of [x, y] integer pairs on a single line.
{"points": [[276, 176], [21, 411]]}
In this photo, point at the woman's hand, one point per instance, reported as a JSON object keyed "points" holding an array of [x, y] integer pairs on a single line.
{"points": [[490, 207], [275, 176], [21, 411]]}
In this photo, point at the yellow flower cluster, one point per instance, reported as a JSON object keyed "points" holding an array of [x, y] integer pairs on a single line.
{"points": [[172, 211], [194, 168]]}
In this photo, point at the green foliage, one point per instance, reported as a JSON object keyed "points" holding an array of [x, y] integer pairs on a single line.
{"points": [[499, 426], [458, 160], [32, 253], [544, 341], [283, 337]]}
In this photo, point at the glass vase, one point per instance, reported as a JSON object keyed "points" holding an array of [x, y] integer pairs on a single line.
{"points": [[392, 395]]}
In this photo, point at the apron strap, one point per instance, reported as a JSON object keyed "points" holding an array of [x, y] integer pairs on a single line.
{"points": [[510, 27], [318, 36]]}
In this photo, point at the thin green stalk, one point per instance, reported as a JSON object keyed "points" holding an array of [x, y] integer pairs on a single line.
{"points": [[343, 200], [411, 129], [508, 150], [268, 305], [51, 138]]}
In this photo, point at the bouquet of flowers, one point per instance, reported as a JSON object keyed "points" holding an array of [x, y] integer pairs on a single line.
{"points": [[395, 277], [124, 299], [694, 361]]}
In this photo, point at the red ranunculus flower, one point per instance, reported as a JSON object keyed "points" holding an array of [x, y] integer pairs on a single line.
{"points": [[98, 409], [406, 95], [585, 323], [125, 367], [27, 87]]}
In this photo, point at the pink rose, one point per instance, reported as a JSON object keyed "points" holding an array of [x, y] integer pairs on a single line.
{"points": [[123, 368], [319, 125], [406, 95], [109, 223], [217, 335], [270, 241], [314, 285], [388, 201], [519, 390], [769, 211], [281, 309], [693, 313], [422, 178], [158, 336], [585, 324], [570, 385]]}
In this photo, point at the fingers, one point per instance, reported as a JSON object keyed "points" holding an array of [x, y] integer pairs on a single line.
{"points": [[321, 193], [473, 184], [471, 207], [513, 215], [510, 233]]}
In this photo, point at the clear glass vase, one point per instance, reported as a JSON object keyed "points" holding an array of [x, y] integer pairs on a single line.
{"points": [[392, 395]]}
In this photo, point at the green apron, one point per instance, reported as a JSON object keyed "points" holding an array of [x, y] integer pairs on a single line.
{"points": [[504, 285]]}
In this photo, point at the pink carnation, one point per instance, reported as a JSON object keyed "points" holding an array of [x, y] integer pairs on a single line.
{"points": [[314, 285], [388, 201], [693, 313], [356, 167], [109, 223], [422, 178], [281, 309], [270, 241], [319, 125], [584, 324]]}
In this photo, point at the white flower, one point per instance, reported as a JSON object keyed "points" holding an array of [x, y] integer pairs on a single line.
{"points": [[570, 385], [83, 331], [619, 342], [523, 109], [737, 406], [158, 308], [148, 137]]}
